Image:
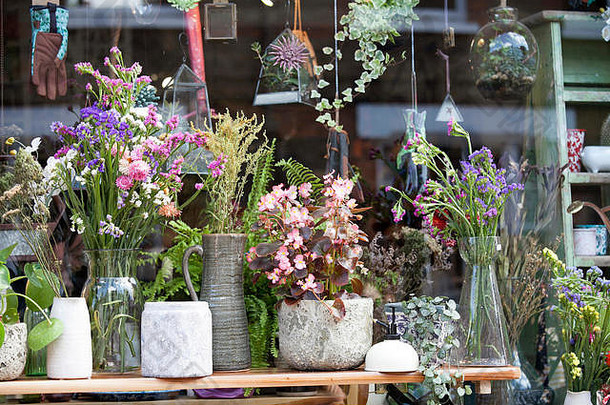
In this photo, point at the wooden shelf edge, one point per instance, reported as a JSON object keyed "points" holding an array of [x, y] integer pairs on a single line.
{"points": [[558, 15], [255, 378], [588, 261], [586, 96], [588, 178]]}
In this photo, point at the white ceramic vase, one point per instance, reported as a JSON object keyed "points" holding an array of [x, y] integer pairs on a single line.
{"points": [[13, 352], [578, 398], [70, 357]]}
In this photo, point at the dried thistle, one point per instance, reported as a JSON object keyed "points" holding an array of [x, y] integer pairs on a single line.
{"points": [[288, 52]]}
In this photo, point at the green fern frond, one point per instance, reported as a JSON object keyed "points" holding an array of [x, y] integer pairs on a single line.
{"points": [[259, 329], [260, 181], [297, 174]]}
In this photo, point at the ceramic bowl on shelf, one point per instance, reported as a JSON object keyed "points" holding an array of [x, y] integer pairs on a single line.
{"points": [[596, 158], [584, 243]]}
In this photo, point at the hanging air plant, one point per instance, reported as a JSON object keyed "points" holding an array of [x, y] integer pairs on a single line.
{"points": [[286, 74]]}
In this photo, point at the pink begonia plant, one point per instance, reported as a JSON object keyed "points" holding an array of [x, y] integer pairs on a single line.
{"points": [[312, 250]]}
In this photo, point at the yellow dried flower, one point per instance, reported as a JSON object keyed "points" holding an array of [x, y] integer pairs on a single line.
{"points": [[13, 152], [10, 141]]}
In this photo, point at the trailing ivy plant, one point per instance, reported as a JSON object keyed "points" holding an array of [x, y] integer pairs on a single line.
{"points": [[372, 24], [430, 325]]}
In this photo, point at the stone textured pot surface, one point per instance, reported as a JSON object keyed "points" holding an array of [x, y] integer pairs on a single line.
{"points": [[578, 398], [13, 352], [176, 339], [70, 356], [311, 339]]}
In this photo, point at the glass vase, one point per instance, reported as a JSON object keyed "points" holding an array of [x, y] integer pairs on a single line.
{"points": [[115, 305], [504, 57], [36, 364], [482, 331]]}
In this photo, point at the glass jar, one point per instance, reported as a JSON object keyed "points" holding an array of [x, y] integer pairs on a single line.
{"points": [[36, 364], [482, 330], [504, 57], [115, 305]]}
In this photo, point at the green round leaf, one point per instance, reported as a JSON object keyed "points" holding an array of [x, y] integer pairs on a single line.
{"points": [[5, 278], [43, 296], [44, 333], [1, 334], [31, 271]]}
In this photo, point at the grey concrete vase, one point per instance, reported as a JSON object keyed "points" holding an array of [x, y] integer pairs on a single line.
{"points": [[13, 352], [222, 288], [311, 339]]}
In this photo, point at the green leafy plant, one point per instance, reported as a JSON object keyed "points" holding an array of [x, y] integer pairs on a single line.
{"points": [[184, 5], [297, 174], [430, 325], [37, 300], [262, 328], [373, 25], [169, 282]]}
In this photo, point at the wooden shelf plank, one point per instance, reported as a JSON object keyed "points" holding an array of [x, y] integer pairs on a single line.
{"points": [[254, 378], [588, 261], [588, 178], [587, 95]]}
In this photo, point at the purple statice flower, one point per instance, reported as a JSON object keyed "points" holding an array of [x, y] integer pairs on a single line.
{"points": [[288, 52], [492, 212], [108, 228]]}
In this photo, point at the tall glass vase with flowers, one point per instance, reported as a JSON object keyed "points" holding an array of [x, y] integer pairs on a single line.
{"points": [[311, 253], [466, 203], [120, 176], [583, 309]]}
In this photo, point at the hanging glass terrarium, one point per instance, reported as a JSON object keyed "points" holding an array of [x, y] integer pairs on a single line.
{"points": [[186, 96], [504, 57], [287, 72]]}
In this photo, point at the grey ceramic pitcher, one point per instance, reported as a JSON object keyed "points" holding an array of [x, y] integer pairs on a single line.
{"points": [[222, 288]]}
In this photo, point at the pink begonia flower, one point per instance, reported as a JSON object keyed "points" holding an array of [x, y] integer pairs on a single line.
{"points": [[309, 283], [278, 192], [294, 239], [124, 182], [267, 202], [274, 276], [251, 254], [139, 170], [291, 193], [305, 190], [299, 262]]}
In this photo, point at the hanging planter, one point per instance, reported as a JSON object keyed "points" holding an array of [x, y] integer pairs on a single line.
{"points": [[287, 72], [186, 96], [504, 57]]}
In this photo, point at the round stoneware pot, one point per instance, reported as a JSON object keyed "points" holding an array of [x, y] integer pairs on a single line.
{"points": [[70, 356], [311, 339], [578, 398], [13, 352]]}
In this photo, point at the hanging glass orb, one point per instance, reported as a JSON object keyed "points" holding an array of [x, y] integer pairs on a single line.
{"points": [[504, 57]]}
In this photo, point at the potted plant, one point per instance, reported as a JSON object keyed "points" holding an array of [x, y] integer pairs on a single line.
{"points": [[583, 311], [310, 254], [120, 175], [26, 205], [238, 150], [466, 204]]}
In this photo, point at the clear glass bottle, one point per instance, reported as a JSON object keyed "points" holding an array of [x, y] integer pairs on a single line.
{"points": [[504, 56], [36, 364]]}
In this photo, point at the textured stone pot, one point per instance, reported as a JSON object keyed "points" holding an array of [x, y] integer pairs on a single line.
{"points": [[578, 398], [70, 355], [176, 339], [13, 352], [311, 339]]}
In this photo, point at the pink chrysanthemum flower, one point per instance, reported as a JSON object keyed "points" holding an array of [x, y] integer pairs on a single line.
{"points": [[124, 182], [288, 52], [139, 170]]}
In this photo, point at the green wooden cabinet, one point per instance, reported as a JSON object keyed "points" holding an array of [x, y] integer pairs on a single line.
{"points": [[573, 86]]}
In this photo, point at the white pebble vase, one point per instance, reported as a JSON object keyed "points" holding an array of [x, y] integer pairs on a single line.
{"points": [[69, 356]]}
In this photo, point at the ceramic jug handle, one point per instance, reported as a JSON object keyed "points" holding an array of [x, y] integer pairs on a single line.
{"points": [[197, 249]]}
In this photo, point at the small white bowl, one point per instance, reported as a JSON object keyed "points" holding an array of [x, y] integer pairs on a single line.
{"points": [[596, 158]]}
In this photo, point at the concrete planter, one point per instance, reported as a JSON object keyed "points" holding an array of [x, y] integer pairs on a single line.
{"points": [[311, 339], [176, 339], [13, 352]]}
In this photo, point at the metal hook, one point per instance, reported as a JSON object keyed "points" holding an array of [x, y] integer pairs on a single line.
{"points": [[183, 41]]}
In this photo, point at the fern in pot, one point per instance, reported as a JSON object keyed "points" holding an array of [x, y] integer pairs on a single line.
{"points": [[309, 256]]}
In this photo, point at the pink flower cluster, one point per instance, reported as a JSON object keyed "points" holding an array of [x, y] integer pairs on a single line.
{"points": [[217, 166]]}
